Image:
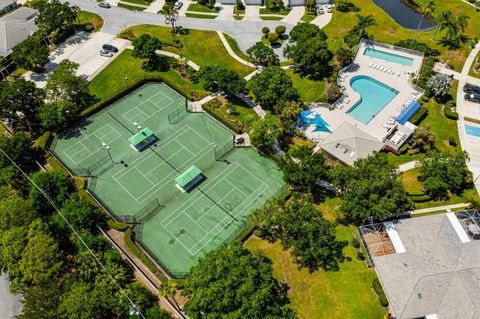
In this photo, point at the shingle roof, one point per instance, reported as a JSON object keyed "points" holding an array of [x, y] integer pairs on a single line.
{"points": [[16, 27]]}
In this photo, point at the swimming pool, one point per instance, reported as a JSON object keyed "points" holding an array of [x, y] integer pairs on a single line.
{"points": [[374, 96], [472, 130], [387, 56]]}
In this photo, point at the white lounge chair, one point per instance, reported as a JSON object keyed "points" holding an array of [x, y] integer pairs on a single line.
{"points": [[370, 65]]}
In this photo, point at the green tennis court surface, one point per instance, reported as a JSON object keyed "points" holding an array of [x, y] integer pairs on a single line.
{"points": [[176, 228]]}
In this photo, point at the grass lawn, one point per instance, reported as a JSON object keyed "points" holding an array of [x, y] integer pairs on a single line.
{"points": [[308, 16], [202, 47], [93, 18], [270, 18], [414, 186], [110, 81], [130, 7], [343, 294], [309, 90], [243, 117], [200, 16], [238, 17], [201, 8], [387, 30], [476, 61], [140, 2], [234, 46]]}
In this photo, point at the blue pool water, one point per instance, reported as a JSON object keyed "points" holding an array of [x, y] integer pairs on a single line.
{"points": [[387, 56], [374, 96], [472, 130]]}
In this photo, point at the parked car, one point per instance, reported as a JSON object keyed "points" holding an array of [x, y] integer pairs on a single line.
{"points": [[320, 10], [105, 5], [328, 8], [469, 88], [109, 47], [106, 53], [472, 97], [178, 5]]}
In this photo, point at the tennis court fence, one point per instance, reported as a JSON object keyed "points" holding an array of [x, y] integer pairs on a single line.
{"points": [[222, 151], [177, 115], [98, 168], [144, 214]]}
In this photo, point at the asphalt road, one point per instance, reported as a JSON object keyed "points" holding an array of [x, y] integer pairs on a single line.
{"points": [[10, 305], [116, 19]]}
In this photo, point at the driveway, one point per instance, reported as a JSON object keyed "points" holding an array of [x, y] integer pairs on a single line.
{"points": [[82, 48], [296, 13], [226, 12], [252, 12], [10, 305]]}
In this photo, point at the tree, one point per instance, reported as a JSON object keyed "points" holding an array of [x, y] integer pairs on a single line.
{"points": [[271, 86], [443, 172], [265, 132], [423, 139], [303, 172], [31, 54], [280, 30], [41, 301], [370, 189], [309, 50], [65, 84], [333, 92], [345, 56], [263, 55], [19, 148], [54, 15], [157, 313], [81, 213], [56, 115], [353, 36], [57, 185], [288, 112], [15, 212], [171, 17], [78, 302], [442, 19], [310, 4], [265, 31], [144, 47], [272, 37], [168, 291], [303, 232], [12, 244], [440, 85], [141, 297], [231, 282], [216, 79], [19, 101]]}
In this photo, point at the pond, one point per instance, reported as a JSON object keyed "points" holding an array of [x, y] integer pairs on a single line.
{"points": [[403, 15]]}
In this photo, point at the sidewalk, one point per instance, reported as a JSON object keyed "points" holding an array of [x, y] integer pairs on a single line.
{"points": [[407, 166], [230, 51], [155, 6]]}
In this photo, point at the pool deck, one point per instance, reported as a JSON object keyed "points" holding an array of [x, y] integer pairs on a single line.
{"points": [[400, 82]]}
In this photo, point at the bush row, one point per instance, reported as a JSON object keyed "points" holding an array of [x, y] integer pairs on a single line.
{"points": [[117, 225], [418, 117], [377, 287], [447, 111], [212, 108]]}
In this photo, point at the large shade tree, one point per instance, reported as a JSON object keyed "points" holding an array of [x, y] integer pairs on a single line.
{"points": [[31, 54], [217, 79], [231, 282], [145, 47], [263, 55]]}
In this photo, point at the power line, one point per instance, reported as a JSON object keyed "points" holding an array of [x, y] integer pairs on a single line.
{"points": [[134, 309]]}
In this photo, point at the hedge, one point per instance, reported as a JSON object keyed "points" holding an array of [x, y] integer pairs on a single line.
{"points": [[420, 199], [418, 117], [117, 225], [377, 287], [127, 238], [447, 111], [211, 108]]}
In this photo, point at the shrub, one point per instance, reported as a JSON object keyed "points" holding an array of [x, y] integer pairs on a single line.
{"points": [[377, 287], [117, 225], [447, 111], [240, 6], [418, 117], [212, 108], [272, 37], [265, 31], [426, 72], [360, 256], [452, 141], [347, 7], [355, 243], [280, 29], [419, 198]]}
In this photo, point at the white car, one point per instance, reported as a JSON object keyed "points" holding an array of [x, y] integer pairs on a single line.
{"points": [[178, 5], [106, 53], [328, 8]]}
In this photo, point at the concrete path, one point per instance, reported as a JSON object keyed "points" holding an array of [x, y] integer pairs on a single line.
{"points": [[230, 51], [226, 12], [155, 6], [192, 64], [441, 68], [10, 304], [407, 166], [249, 76], [470, 144], [438, 208], [296, 13], [323, 19]]}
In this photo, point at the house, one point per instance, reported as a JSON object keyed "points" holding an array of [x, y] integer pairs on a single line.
{"points": [[7, 5], [429, 266], [15, 27], [348, 143]]}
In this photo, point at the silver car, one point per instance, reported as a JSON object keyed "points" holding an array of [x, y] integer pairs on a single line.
{"points": [[105, 5], [178, 5], [106, 53]]}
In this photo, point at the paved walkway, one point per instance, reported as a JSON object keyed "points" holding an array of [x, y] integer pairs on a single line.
{"points": [[407, 166], [231, 52], [155, 6], [470, 144], [438, 208], [296, 13], [10, 304], [441, 68]]}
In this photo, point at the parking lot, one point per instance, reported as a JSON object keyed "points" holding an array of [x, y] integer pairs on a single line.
{"points": [[82, 48]]}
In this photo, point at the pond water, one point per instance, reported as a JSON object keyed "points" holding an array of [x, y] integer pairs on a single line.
{"points": [[403, 15]]}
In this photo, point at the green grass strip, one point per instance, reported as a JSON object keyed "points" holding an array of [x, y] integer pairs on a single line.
{"points": [[129, 7], [199, 16]]}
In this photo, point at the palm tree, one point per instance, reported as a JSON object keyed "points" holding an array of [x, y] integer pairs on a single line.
{"points": [[365, 22], [442, 19], [427, 11], [462, 21], [169, 290]]}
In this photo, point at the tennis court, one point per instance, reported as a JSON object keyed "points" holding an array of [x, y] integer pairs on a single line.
{"points": [[175, 227]]}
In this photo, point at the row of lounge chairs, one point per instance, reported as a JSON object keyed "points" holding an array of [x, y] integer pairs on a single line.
{"points": [[383, 69]]}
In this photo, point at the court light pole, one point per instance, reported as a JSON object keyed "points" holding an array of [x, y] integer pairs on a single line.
{"points": [[126, 79], [138, 126], [105, 146]]}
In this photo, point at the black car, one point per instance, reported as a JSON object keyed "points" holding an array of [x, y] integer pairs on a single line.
{"points": [[469, 88], [109, 47], [472, 97], [104, 5]]}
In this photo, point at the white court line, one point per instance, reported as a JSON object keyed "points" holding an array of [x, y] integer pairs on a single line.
{"points": [[159, 108]]}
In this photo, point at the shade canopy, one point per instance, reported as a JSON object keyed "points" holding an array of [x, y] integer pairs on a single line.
{"points": [[141, 136], [188, 176]]}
